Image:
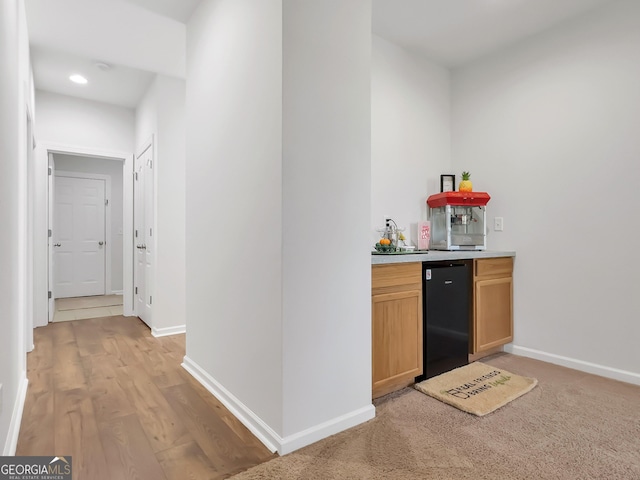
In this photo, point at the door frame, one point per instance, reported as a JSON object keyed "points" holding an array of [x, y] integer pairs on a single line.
{"points": [[42, 204], [107, 220], [30, 233], [51, 196], [149, 143]]}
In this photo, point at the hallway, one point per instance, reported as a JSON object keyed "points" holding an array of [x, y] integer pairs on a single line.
{"points": [[116, 399]]}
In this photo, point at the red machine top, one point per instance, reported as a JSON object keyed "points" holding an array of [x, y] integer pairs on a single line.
{"points": [[460, 199]]}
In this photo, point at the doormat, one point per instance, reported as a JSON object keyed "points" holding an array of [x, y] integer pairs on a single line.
{"points": [[477, 388]]}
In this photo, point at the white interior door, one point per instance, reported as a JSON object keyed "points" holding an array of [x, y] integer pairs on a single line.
{"points": [[51, 259], [144, 239], [79, 237]]}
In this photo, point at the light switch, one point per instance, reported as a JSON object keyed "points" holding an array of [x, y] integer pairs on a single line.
{"points": [[498, 224]]}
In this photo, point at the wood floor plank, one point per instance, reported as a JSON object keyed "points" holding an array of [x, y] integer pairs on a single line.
{"points": [[61, 333], [118, 324], [141, 343], [164, 370], [174, 347], [87, 338], [37, 424], [251, 442], [214, 437], [120, 352], [116, 399], [40, 380], [68, 373], [141, 389], [128, 453], [37, 429], [99, 367], [188, 462], [109, 400], [42, 357], [163, 427], [180, 342], [76, 434]]}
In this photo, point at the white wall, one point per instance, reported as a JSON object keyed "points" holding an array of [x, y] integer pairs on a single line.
{"points": [[119, 33], [326, 192], [113, 169], [278, 199], [83, 123], [15, 94], [161, 115], [234, 199], [410, 135], [146, 118], [550, 129], [169, 311]]}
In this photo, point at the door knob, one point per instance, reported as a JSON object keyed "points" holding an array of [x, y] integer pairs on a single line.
{"points": [[57, 244], [100, 243]]}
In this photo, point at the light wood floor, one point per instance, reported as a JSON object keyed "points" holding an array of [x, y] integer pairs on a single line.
{"points": [[116, 399]]}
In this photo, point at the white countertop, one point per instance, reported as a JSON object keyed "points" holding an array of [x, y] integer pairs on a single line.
{"points": [[437, 255]]}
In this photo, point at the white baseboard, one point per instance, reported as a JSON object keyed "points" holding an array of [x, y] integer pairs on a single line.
{"points": [[596, 369], [326, 429], [264, 432], [16, 419], [116, 292], [163, 332]]}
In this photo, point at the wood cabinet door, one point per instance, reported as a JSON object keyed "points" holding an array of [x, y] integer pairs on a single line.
{"points": [[493, 313], [396, 340]]}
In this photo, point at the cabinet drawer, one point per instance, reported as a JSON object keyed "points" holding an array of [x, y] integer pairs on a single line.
{"points": [[493, 266], [386, 278]]}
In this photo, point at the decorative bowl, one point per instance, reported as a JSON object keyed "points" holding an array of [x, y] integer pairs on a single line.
{"points": [[385, 248]]}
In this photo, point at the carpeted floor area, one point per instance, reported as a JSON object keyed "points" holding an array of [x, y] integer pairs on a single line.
{"points": [[573, 425]]}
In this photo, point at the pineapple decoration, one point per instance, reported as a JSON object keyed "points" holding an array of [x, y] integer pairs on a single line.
{"points": [[465, 184]]}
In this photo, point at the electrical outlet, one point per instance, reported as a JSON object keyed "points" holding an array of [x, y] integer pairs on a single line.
{"points": [[384, 220], [498, 224]]}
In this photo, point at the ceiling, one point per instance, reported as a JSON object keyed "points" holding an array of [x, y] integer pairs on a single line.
{"points": [[454, 32], [179, 10], [136, 38], [139, 38]]}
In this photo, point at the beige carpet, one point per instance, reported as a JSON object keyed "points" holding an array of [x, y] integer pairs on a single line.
{"points": [[477, 388], [571, 426]]}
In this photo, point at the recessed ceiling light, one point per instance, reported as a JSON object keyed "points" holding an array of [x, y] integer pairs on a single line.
{"points": [[79, 79]]}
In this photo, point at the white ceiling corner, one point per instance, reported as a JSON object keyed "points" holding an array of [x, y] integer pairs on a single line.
{"points": [[141, 38], [137, 42], [118, 85], [454, 32], [179, 10]]}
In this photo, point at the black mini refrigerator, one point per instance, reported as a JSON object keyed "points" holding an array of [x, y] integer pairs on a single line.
{"points": [[446, 316]]}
